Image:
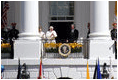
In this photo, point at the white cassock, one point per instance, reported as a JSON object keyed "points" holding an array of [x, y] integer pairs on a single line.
{"points": [[42, 35], [50, 35]]}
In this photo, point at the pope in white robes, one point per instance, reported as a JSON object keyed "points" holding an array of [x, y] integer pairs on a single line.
{"points": [[51, 35]]}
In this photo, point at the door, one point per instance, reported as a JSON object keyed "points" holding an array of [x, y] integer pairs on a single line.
{"points": [[62, 29]]}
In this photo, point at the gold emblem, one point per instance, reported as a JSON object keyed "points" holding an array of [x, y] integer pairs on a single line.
{"points": [[64, 50]]}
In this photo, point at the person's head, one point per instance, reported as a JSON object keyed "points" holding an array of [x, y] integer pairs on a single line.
{"points": [[13, 25], [40, 29], [88, 24], [72, 26], [114, 25], [51, 28]]}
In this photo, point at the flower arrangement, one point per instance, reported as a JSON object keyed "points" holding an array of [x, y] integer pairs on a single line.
{"points": [[5, 48], [53, 47]]}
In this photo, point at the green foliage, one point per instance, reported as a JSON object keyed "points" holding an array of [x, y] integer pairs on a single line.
{"points": [[6, 50]]}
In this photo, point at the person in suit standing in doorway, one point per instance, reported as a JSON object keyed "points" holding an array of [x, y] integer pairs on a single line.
{"points": [[73, 35], [88, 26]]}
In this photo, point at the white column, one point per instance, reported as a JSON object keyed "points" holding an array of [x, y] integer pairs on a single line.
{"points": [[100, 44], [99, 19], [28, 46], [29, 20]]}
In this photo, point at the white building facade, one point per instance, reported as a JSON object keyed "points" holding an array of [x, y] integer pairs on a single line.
{"points": [[29, 15]]}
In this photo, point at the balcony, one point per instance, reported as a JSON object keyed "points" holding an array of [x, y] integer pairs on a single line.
{"points": [[78, 49]]}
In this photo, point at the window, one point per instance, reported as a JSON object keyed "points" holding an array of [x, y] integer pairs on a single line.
{"points": [[61, 10]]}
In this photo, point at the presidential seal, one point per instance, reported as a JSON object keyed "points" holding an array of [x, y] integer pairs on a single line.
{"points": [[64, 50]]}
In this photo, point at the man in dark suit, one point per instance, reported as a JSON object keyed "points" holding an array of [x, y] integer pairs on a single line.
{"points": [[114, 37], [114, 32], [73, 35], [3, 34], [88, 26]]}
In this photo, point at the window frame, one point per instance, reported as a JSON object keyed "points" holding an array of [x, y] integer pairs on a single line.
{"points": [[60, 16]]}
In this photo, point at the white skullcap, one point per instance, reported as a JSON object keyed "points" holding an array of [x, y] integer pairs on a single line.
{"points": [[51, 27]]}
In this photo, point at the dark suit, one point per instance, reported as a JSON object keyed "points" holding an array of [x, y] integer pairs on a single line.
{"points": [[73, 36], [88, 33], [114, 34], [114, 37], [4, 34]]}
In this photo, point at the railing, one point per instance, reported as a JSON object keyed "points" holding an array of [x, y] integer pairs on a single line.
{"points": [[78, 49]]}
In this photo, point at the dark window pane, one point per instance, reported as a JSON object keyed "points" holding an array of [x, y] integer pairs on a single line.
{"points": [[61, 18], [71, 3], [66, 10], [69, 18], [53, 18], [71, 11], [61, 9]]}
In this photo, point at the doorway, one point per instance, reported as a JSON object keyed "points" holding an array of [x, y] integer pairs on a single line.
{"points": [[62, 29]]}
